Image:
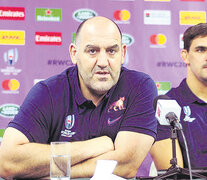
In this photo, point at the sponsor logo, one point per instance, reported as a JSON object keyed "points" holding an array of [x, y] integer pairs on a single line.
{"points": [[10, 86], [9, 110], [114, 107], [117, 105], [126, 60], [83, 14], [12, 13], [172, 64], [158, 112], [1, 134], [69, 123], [162, 87], [46, 14], [12, 37], [127, 39], [110, 122], [187, 112], [121, 16], [10, 58], [181, 41], [73, 37], [192, 17], [59, 62], [158, 40], [157, 17], [48, 38]]}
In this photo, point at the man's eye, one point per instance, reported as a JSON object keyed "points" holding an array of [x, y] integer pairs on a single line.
{"points": [[201, 50], [111, 51], [92, 51]]}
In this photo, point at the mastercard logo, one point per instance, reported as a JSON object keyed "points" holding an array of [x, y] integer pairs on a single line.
{"points": [[122, 15], [158, 39], [10, 84]]}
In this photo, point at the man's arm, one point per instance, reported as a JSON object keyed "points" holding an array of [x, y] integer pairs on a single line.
{"points": [[161, 153], [130, 150], [20, 158]]}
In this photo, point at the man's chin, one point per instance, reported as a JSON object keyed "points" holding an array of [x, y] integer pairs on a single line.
{"points": [[102, 88]]}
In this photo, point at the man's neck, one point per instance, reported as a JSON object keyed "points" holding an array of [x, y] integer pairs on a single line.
{"points": [[95, 99], [197, 87]]}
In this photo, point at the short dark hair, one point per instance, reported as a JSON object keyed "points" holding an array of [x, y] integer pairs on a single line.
{"points": [[82, 23], [199, 30]]}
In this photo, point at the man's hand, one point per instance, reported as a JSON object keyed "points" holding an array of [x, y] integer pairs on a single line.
{"points": [[20, 158]]}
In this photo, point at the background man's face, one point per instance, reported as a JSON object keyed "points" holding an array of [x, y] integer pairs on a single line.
{"points": [[197, 58]]}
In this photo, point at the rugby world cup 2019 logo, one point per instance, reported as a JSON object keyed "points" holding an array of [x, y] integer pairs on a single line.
{"points": [[69, 121], [11, 56]]}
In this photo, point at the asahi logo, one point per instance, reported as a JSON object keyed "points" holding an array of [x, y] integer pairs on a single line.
{"points": [[9, 110], [127, 39], [83, 14]]}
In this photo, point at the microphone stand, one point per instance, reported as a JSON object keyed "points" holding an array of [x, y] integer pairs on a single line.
{"points": [[174, 171]]}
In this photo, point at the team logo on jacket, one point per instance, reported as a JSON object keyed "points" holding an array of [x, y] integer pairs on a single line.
{"points": [[117, 105], [69, 121], [187, 112], [114, 110]]}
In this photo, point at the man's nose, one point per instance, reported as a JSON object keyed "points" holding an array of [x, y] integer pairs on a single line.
{"points": [[102, 60]]}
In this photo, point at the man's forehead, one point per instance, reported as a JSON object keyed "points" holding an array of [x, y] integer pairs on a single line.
{"points": [[100, 27], [100, 40], [200, 39]]}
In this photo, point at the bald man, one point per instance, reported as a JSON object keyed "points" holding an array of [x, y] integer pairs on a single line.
{"points": [[103, 109]]}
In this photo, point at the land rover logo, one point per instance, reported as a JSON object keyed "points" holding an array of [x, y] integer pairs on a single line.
{"points": [[83, 14], [9, 110], [127, 39]]}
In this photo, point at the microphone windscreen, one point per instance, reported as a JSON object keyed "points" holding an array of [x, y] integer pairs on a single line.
{"points": [[157, 98]]}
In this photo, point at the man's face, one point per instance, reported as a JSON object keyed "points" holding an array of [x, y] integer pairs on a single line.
{"points": [[100, 54], [197, 59]]}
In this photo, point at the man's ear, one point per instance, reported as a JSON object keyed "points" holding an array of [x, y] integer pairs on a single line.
{"points": [[124, 50], [73, 53], [184, 54]]}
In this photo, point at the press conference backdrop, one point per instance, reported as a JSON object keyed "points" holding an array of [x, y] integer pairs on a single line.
{"points": [[35, 36]]}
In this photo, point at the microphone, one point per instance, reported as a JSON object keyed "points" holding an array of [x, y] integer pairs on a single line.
{"points": [[168, 113], [167, 110]]}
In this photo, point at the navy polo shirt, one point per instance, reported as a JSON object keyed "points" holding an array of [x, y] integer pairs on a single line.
{"points": [[55, 109], [194, 121]]}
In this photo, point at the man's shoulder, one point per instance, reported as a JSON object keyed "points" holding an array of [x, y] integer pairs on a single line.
{"points": [[135, 81], [133, 76], [177, 91], [57, 84], [59, 79]]}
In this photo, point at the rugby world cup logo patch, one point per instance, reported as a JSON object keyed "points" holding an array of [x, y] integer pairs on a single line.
{"points": [[187, 112], [69, 121]]}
